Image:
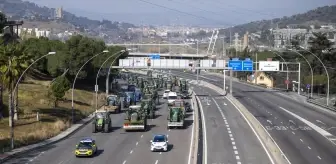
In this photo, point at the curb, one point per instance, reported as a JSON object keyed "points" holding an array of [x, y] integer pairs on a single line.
{"points": [[49, 141], [196, 131]]}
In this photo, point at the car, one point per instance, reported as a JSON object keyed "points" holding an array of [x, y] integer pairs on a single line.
{"points": [[185, 94], [86, 148], [159, 142], [165, 94]]}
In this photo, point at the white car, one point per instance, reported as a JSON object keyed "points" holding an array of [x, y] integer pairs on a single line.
{"points": [[159, 142], [165, 94]]}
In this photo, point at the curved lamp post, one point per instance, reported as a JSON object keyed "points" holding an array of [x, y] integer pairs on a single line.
{"points": [[16, 85], [74, 82], [311, 70], [108, 75], [96, 86], [325, 68], [274, 52]]}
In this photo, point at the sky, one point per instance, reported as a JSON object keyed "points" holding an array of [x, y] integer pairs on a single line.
{"points": [[185, 12]]}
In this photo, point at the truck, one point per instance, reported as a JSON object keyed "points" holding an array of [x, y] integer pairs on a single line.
{"points": [[136, 119], [112, 105], [102, 122], [175, 117]]}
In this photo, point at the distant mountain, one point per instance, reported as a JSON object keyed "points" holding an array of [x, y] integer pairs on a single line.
{"points": [[318, 16], [18, 9]]}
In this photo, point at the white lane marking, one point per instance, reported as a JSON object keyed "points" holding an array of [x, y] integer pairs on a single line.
{"points": [[192, 134], [156, 162], [131, 152], [233, 143], [60, 162], [275, 117], [319, 157], [232, 139], [236, 152], [301, 140], [270, 122], [293, 132], [230, 135], [229, 131], [237, 157], [309, 147], [228, 126], [324, 133], [238, 162], [258, 137], [141, 136], [234, 147], [137, 143], [167, 135], [160, 152], [124, 162], [205, 156]]}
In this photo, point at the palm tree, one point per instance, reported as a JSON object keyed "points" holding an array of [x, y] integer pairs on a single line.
{"points": [[13, 61]]}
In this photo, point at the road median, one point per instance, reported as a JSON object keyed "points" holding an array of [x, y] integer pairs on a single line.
{"points": [[272, 149]]}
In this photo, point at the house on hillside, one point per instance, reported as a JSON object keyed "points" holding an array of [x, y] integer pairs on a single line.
{"points": [[262, 79]]}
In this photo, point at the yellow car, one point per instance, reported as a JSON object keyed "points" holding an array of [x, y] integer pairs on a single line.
{"points": [[86, 148]]}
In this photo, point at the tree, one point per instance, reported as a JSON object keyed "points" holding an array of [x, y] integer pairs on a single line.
{"points": [[295, 42], [3, 19], [59, 87], [13, 61]]}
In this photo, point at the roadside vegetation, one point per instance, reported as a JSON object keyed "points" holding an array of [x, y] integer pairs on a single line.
{"points": [[41, 105]]}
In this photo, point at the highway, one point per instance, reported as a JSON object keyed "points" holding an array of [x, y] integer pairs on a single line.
{"points": [[304, 133], [229, 137], [118, 147]]}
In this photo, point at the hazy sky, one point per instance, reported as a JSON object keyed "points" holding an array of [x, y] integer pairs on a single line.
{"points": [[225, 12]]}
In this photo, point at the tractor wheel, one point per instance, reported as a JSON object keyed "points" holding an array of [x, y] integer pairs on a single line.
{"points": [[106, 128], [94, 130]]}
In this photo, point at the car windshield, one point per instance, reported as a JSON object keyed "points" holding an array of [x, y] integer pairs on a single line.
{"points": [[85, 145], [172, 97], [129, 94], [159, 139], [112, 98]]}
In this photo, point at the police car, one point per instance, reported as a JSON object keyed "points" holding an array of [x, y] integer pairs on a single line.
{"points": [[86, 147]]}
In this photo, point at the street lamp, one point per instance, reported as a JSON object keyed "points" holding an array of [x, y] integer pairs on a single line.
{"points": [[325, 68], [96, 86], [16, 85], [274, 52], [74, 82], [108, 75], [311, 70]]}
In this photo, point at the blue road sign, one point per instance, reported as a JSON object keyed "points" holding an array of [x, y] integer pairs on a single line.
{"points": [[236, 65], [308, 86], [248, 65], [240, 65], [154, 56]]}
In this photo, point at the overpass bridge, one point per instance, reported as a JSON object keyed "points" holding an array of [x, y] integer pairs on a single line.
{"points": [[170, 56]]}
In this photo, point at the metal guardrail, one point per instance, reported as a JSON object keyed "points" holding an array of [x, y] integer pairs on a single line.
{"points": [[333, 108]]}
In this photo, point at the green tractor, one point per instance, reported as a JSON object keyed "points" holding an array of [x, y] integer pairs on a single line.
{"points": [[152, 90], [102, 122], [136, 119], [169, 85], [149, 107]]}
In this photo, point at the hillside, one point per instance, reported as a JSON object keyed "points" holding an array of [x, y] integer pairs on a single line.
{"points": [[318, 16], [43, 17]]}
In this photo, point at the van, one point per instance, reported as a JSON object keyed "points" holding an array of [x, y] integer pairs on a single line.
{"points": [[172, 96]]}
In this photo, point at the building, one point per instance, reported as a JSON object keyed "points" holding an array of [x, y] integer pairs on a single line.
{"points": [[262, 79], [245, 40], [59, 13]]}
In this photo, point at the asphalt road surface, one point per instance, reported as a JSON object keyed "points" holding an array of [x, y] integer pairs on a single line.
{"points": [[304, 133], [118, 147]]}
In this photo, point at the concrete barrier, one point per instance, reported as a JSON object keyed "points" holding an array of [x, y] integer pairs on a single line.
{"points": [[195, 135], [272, 149]]}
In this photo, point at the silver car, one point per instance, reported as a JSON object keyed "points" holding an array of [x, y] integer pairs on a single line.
{"points": [[159, 143]]}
